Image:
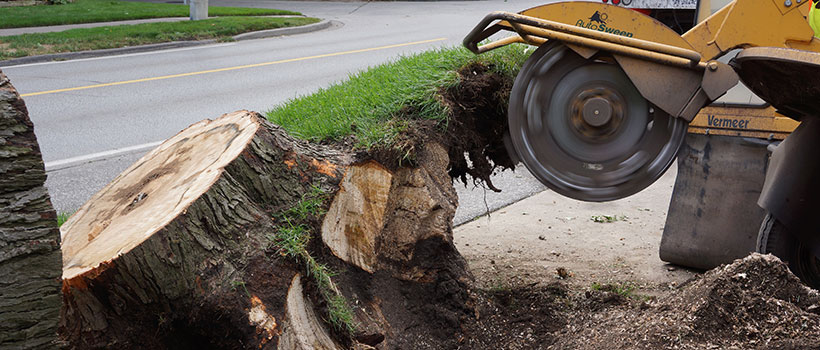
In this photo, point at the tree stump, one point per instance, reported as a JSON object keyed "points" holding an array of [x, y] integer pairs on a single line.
{"points": [[29, 237], [222, 237]]}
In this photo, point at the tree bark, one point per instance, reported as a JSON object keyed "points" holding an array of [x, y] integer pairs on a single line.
{"points": [[182, 249], [29, 237], [172, 253]]}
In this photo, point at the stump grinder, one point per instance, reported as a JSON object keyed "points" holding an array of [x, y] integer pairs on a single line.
{"points": [[601, 108]]}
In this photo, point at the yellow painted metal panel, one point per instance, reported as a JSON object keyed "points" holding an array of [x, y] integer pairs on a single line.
{"points": [[701, 37], [755, 134], [742, 121], [609, 19], [746, 23]]}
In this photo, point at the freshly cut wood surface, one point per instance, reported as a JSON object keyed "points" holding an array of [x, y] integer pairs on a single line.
{"points": [[152, 192], [302, 328], [356, 216], [201, 242], [178, 251]]}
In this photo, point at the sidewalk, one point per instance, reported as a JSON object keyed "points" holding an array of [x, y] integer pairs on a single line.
{"points": [[60, 28], [529, 240], [324, 24]]}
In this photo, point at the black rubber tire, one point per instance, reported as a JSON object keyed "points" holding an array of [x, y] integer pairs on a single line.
{"points": [[774, 238]]}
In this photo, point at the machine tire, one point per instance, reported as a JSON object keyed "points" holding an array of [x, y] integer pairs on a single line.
{"points": [[774, 238]]}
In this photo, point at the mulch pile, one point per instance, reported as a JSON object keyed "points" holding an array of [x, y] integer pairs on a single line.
{"points": [[753, 303]]}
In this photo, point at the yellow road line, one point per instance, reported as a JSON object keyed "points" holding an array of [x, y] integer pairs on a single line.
{"points": [[231, 68]]}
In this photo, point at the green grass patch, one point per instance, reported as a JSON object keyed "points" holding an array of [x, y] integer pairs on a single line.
{"points": [[624, 289], [129, 35], [90, 11], [373, 106], [500, 285], [62, 218], [236, 285], [291, 241], [606, 219]]}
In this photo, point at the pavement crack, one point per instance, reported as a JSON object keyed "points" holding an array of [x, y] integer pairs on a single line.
{"points": [[360, 6]]}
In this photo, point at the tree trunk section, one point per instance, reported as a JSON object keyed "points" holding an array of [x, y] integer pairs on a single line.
{"points": [[411, 284], [180, 250], [172, 253], [29, 237]]}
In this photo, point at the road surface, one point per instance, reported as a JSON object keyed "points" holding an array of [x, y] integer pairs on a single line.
{"points": [[94, 117]]}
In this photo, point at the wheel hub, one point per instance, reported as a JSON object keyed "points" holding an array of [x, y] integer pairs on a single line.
{"points": [[597, 111]]}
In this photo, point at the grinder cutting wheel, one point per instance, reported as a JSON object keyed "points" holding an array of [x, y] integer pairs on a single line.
{"points": [[583, 129], [600, 109]]}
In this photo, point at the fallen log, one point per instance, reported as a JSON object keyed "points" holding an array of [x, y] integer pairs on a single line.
{"points": [[29, 237], [225, 237]]}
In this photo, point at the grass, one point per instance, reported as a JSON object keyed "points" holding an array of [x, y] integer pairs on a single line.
{"points": [[606, 219], [624, 289], [292, 239], [62, 218], [236, 284], [310, 204], [373, 105], [128, 35], [89, 11], [500, 285]]}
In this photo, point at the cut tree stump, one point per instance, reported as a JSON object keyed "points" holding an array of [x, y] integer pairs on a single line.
{"points": [[185, 248], [29, 237]]}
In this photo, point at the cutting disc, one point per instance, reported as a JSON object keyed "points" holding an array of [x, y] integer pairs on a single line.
{"points": [[583, 129]]}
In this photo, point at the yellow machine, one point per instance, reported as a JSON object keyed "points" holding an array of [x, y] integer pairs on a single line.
{"points": [[600, 111]]}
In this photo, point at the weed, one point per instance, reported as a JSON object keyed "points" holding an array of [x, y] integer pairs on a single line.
{"points": [[624, 289], [62, 218], [236, 284], [310, 204], [607, 218], [340, 314], [291, 240], [500, 285]]}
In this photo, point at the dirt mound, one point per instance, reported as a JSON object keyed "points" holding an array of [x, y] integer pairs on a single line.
{"points": [[753, 303]]}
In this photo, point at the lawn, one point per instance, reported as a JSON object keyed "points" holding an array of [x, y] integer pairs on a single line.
{"points": [[89, 11], [221, 28], [372, 105]]}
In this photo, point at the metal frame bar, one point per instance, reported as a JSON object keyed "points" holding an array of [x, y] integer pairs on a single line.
{"points": [[535, 31]]}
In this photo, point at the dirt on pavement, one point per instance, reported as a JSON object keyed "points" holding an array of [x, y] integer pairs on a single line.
{"points": [[613, 242], [555, 273]]}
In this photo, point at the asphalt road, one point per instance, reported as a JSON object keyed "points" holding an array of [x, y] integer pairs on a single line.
{"points": [[118, 107]]}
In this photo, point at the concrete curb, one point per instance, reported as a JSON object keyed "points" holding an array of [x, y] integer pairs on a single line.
{"points": [[284, 31], [165, 46]]}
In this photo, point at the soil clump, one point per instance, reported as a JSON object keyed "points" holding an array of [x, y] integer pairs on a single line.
{"points": [[478, 123], [473, 132]]}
